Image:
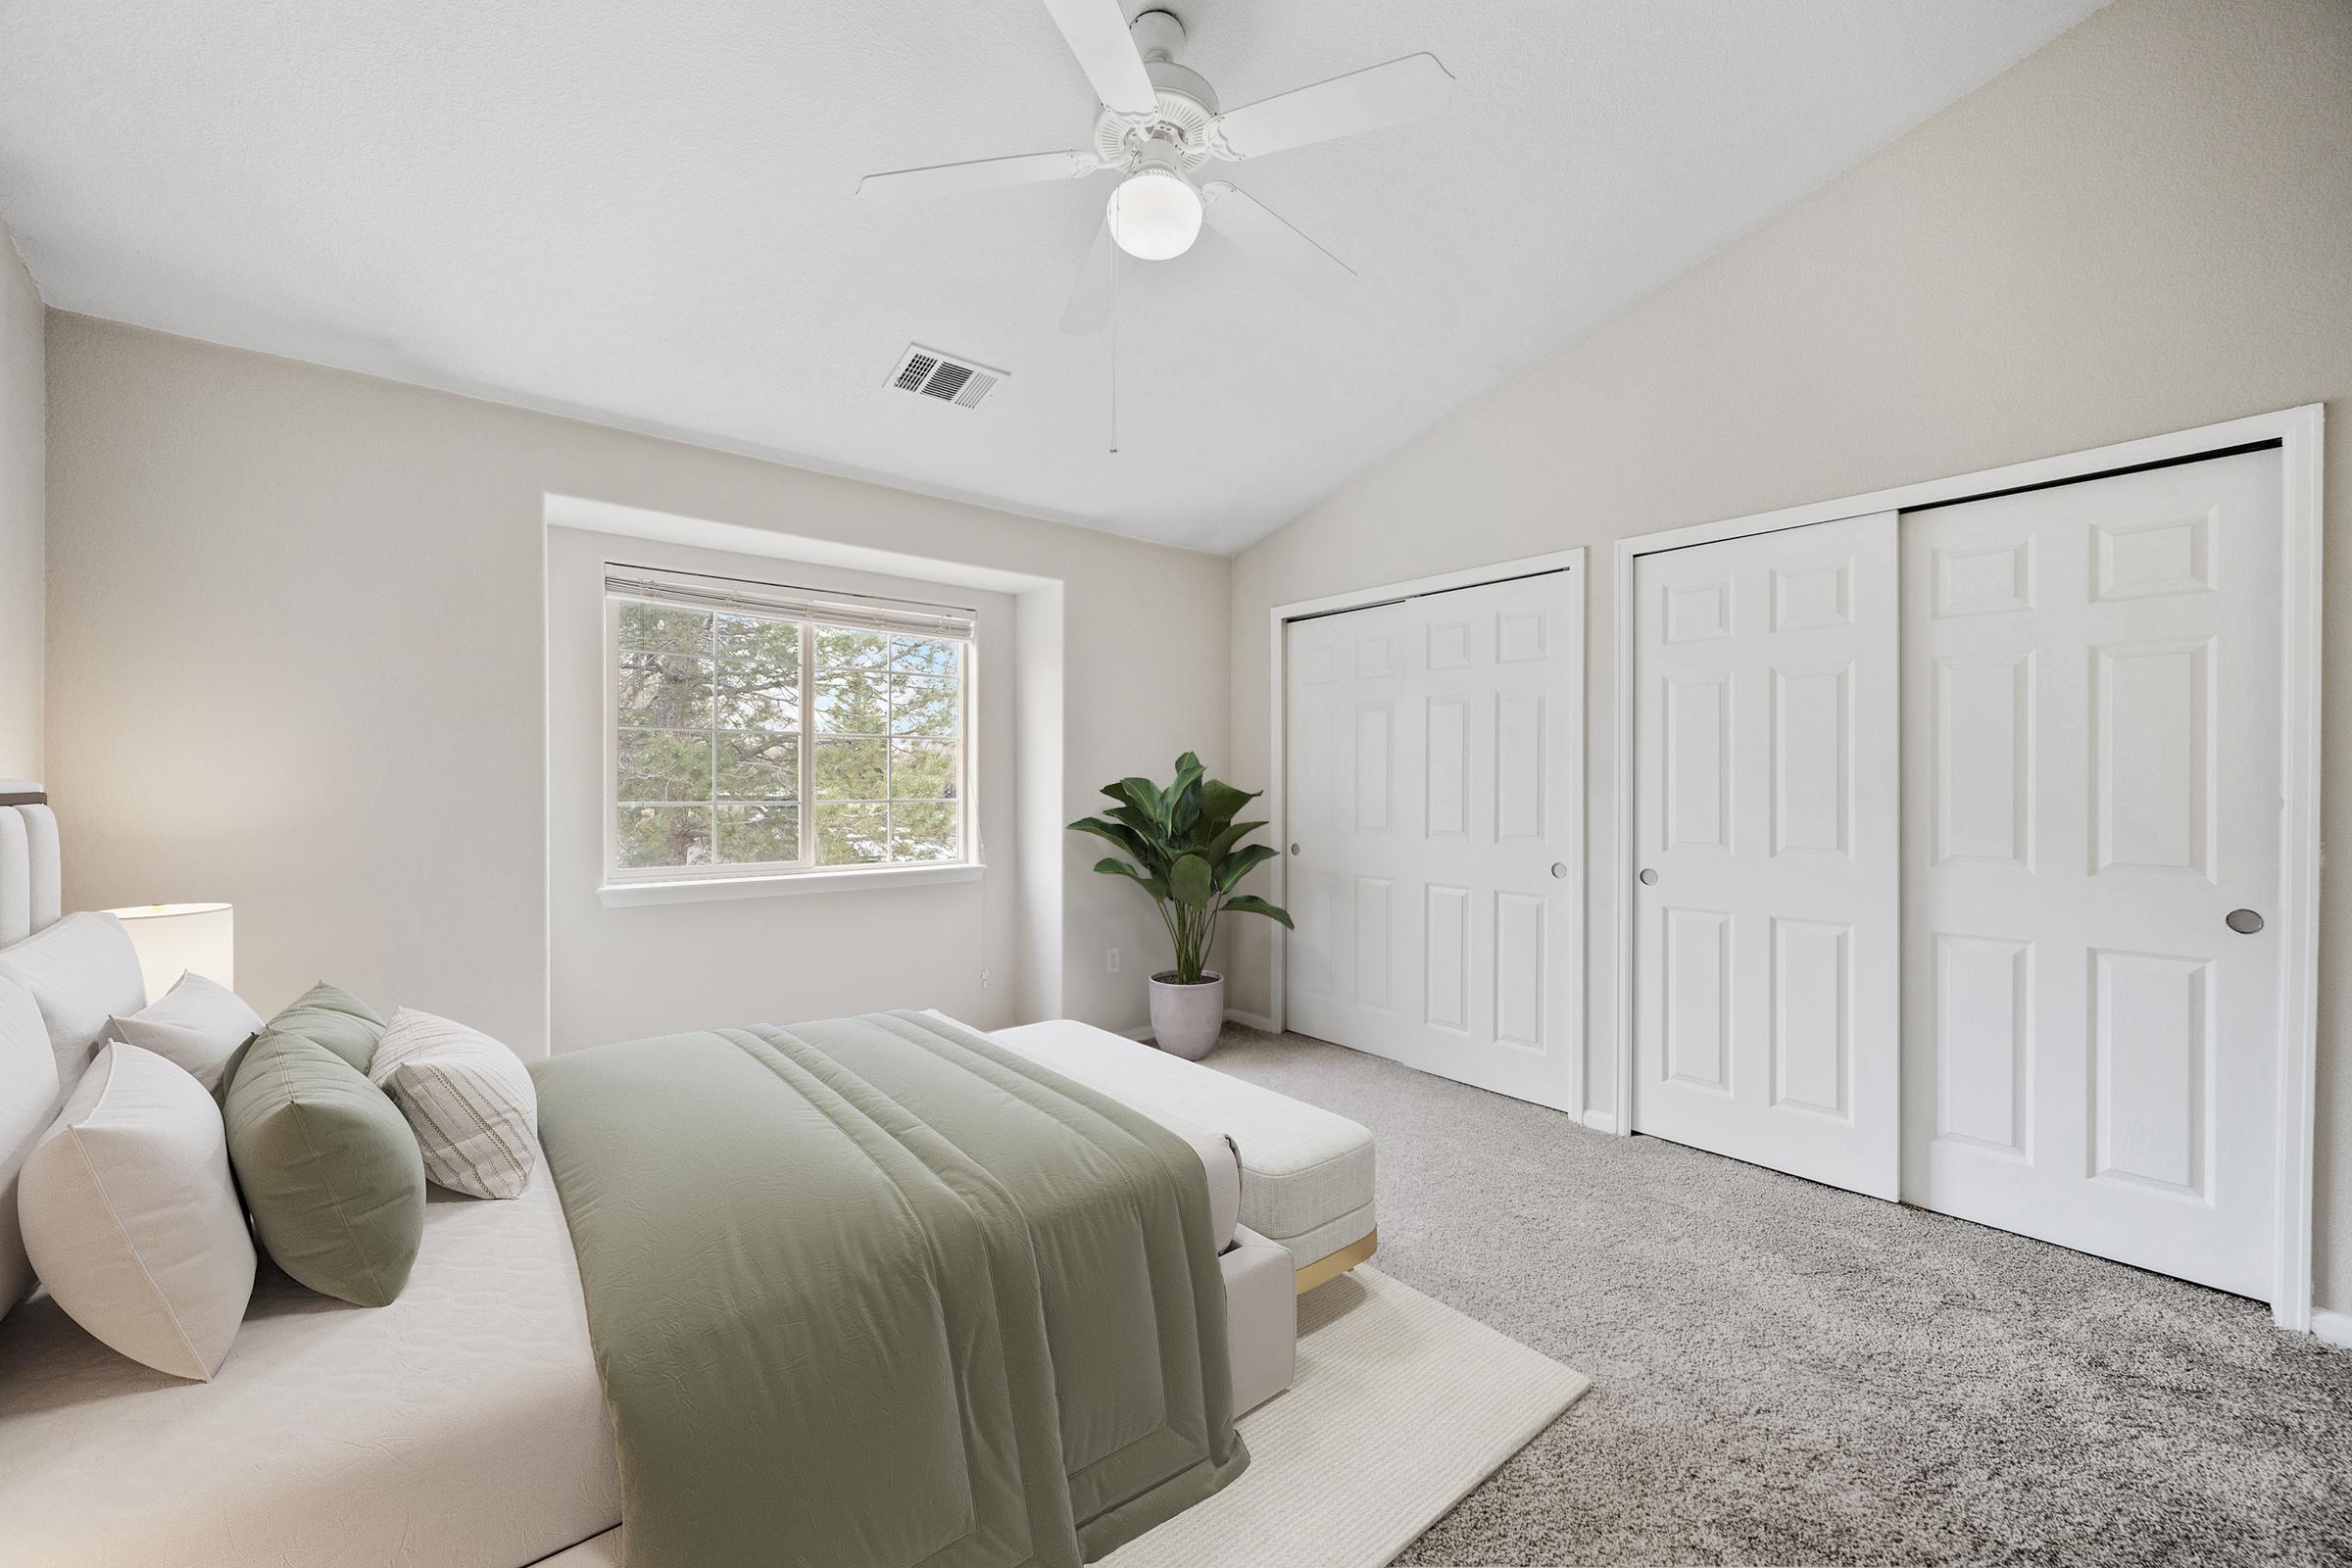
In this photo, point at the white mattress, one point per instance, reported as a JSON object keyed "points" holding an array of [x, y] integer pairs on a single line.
{"points": [[461, 1427], [1307, 1174]]}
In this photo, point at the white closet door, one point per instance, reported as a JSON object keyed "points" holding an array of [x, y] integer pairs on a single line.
{"points": [[1765, 946], [2092, 766], [1433, 810]]}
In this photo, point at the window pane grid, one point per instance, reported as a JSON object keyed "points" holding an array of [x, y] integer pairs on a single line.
{"points": [[889, 721], [727, 773]]}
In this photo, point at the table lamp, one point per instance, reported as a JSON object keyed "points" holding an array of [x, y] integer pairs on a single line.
{"points": [[173, 939]]}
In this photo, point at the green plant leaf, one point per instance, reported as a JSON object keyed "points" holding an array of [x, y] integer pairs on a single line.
{"points": [[1222, 844], [1184, 799], [1142, 795], [1240, 863], [1137, 792], [1251, 904], [1189, 881], [1147, 828], [1118, 833], [1220, 803], [1109, 865]]}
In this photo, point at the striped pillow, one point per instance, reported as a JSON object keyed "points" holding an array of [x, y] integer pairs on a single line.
{"points": [[468, 1098]]}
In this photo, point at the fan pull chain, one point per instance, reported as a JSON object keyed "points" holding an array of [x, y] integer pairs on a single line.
{"points": [[1114, 351]]}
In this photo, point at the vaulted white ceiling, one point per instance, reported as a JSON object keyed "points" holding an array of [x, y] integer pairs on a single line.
{"points": [[644, 212]]}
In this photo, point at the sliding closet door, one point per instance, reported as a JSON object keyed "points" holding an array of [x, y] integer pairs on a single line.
{"points": [[2093, 800], [1765, 729], [1435, 757]]}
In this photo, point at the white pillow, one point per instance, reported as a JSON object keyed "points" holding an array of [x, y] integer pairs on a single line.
{"points": [[133, 1219], [27, 1100], [82, 971], [468, 1098], [198, 1025]]}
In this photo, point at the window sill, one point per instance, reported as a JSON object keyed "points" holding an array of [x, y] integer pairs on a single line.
{"points": [[622, 894]]}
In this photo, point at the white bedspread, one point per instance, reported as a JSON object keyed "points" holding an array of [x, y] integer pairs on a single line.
{"points": [[461, 1427]]}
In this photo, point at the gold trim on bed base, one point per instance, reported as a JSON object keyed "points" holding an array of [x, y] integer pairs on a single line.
{"points": [[1336, 1264]]}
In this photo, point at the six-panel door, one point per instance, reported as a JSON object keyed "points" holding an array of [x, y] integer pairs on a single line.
{"points": [[2093, 776], [1765, 826], [1435, 757]]}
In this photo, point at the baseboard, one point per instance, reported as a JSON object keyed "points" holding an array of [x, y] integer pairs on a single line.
{"points": [[1601, 1121], [2333, 1327]]}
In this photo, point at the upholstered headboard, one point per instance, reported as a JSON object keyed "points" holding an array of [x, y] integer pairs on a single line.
{"points": [[30, 887]]}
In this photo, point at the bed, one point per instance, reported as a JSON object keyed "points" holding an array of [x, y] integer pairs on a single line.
{"points": [[470, 1425], [465, 1425]]}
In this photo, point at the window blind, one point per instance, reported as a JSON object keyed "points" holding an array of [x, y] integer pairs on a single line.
{"points": [[784, 602]]}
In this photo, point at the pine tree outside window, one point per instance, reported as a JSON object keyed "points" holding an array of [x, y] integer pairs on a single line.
{"points": [[757, 734]]}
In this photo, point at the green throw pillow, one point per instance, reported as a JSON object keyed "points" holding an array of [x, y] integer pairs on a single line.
{"points": [[328, 1168], [334, 1017], [326, 1015]]}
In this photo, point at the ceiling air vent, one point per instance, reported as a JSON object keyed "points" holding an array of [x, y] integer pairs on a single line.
{"points": [[933, 374]]}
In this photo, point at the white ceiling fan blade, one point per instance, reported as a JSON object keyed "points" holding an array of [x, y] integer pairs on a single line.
{"points": [[1088, 310], [984, 174], [1241, 219], [1096, 33], [1382, 95]]}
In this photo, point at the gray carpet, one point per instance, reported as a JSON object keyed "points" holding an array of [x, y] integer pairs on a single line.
{"points": [[1788, 1374]]}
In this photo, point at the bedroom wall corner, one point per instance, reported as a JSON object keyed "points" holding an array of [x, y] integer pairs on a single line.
{"points": [[24, 513], [1038, 747]]}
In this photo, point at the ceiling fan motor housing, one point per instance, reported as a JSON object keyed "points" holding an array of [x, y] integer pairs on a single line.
{"points": [[1187, 102]]}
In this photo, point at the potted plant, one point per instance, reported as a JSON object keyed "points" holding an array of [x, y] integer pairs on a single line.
{"points": [[1184, 847]]}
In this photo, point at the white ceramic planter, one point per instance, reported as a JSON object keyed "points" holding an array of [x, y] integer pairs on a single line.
{"points": [[1186, 1020]]}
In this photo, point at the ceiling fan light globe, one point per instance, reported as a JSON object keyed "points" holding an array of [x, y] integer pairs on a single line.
{"points": [[1155, 214]]}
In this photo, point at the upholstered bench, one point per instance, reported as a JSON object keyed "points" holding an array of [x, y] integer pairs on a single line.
{"points": [[1307, 1174]]}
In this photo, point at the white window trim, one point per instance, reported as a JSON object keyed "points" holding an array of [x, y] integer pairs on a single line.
{"points": [[825, 879], [618, 887]]}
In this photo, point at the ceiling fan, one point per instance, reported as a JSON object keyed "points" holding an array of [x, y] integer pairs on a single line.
{"points": [[1159, 123]]}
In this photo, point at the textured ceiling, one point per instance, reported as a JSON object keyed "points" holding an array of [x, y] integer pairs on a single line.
{"points": [[643, 211]]}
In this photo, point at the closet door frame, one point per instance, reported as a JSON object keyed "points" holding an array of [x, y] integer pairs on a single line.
{"points": [[1577, 1045], [2297, 434]]}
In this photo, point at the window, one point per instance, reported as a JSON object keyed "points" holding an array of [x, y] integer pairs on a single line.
{"points": [[758, 733]]}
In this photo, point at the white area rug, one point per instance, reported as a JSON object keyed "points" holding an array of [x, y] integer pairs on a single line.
{"points": [[1401, 1406]]}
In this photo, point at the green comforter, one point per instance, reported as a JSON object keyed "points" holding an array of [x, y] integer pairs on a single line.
{"points": [[876, 1292]]}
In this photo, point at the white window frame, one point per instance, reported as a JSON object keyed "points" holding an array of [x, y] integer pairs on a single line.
{"points": [[620, 885]]}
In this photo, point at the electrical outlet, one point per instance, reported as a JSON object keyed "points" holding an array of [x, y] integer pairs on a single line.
{"points": [[984, 979], [1110, 960]]}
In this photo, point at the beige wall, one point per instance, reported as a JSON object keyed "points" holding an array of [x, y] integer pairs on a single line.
{"points": [[2146, 226], [22, 404], [297, 643]]}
